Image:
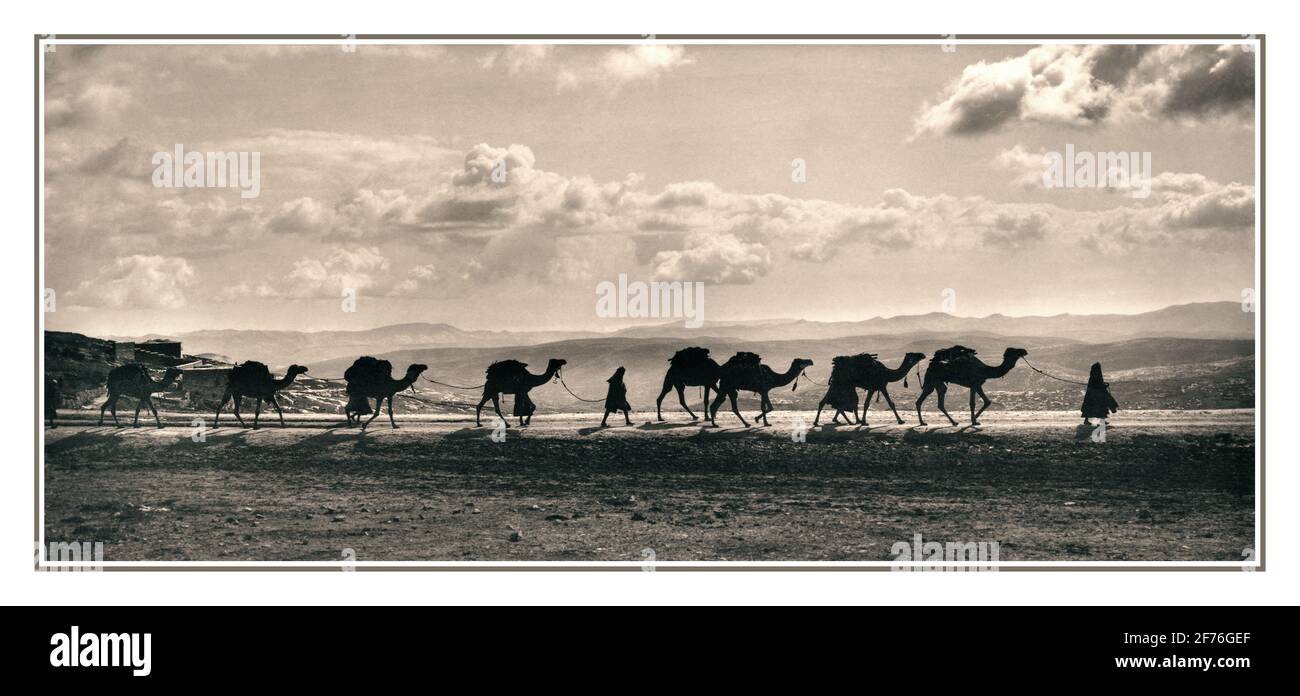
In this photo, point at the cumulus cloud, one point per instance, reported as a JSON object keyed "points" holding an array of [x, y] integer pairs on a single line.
{"points": [[1082, 86], [359, 269], [138, 281], [713, 258]]}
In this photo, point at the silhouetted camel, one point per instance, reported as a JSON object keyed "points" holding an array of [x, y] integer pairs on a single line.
{"points": [[878, 378], [134, 381], [53, 400], [744, 372], [847, 371], [512, 377], [254, 379], [689, 367], [369, 378], [963, 368]]}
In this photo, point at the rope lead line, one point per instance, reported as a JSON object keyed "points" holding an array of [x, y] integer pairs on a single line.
{"points": [[579, 398], [1059, 379], [452, 385]]}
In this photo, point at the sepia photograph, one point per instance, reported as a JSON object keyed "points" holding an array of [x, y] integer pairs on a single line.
{"points": [[943, 303]]}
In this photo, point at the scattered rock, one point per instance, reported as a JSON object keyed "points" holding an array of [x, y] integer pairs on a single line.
{"points": [[556, 518], [339, 518], [516, 535]]}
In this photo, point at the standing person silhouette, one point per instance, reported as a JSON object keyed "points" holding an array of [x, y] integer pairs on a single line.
{"points": [[1097, 401], [616, 398]]}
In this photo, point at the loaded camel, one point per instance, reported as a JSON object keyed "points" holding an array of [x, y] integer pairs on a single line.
{"points": [[254, 379], [745, 372], [879, 377], [370, 378], [689, 367], [841, 392], [958, 365], [134, 381], [512, 377]]}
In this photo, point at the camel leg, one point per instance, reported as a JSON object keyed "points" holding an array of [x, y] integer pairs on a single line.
{"points": [[735, 409], [890, 401], [973, 420], [712, 410], [112, 401], [705, 391], [987, 402], [225, 399], [156, 420], [925, 392], [276, 404], [379, 403], [866, 404], [818, 417], [942, 392], [659, 403], [681, 398], [239, 401], [390, 413], [257, 412], [479, 410]]}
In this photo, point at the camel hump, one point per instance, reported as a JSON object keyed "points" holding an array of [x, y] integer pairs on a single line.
{"points": [[506, 369], [366, 369], [131, 371], [743, 359], [251, 370], [954, 353], [689, 357]]}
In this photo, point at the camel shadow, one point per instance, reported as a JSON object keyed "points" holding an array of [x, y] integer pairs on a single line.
{"points": [[668, 425], [719, 433]]}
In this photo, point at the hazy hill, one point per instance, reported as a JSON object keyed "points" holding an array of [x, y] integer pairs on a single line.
{"points": [[1211, 320]]}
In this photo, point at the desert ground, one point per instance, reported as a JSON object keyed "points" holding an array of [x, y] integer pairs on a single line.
{"points": [[1165, 485]]}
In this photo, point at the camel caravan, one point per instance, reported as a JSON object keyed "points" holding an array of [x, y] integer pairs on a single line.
{"points": [[371, 378]]}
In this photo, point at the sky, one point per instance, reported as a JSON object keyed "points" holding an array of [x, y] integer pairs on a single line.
{"points": [[496, 187]]}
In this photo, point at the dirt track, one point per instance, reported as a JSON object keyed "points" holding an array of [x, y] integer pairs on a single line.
{"points": [[1165, 486]]}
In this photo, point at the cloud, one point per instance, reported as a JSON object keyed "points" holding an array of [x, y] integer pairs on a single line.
{"points": [[620, 66], [713, 258], [363, 270], [136, 282], [519, 58], [1082, 86]]}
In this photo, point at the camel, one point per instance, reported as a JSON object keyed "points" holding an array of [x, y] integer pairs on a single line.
{"points": [[369, 378], [879, 377], [963, 368], [512, 377], [744, 372], [689, 367], [846, 372], [134, 381], [254, 379]]}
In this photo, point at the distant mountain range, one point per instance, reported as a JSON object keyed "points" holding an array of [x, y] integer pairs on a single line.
{"points": [[1206, 320]]}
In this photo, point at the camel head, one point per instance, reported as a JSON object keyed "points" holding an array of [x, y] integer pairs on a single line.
{"points": [[171, 375], [914, 357], [1014, 354], [555, 364], [295, 370], [801, 364], [415, 369]]}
